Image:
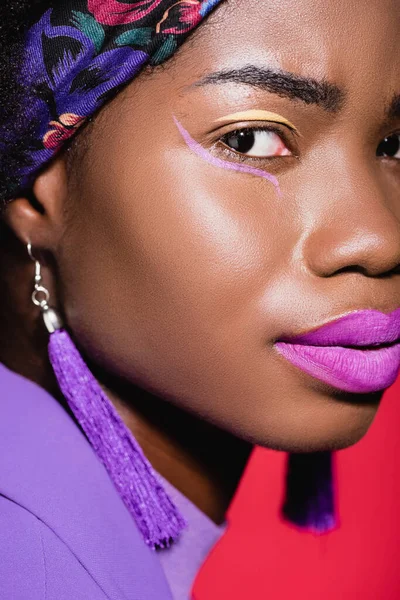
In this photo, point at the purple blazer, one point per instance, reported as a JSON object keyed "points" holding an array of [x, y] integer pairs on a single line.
{"points": [[65, 534]]}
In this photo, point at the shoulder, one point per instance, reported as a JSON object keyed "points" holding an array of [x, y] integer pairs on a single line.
{"points": [[61, 495], [35, 563]]}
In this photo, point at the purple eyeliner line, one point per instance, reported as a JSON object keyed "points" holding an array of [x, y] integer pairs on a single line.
{"points": [[217, 162]]}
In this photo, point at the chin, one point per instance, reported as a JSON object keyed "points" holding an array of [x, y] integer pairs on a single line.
{"points": [[333, 426]]}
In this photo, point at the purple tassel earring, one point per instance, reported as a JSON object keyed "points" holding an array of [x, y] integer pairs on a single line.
{"points": [[309, 502], [157, 518]]}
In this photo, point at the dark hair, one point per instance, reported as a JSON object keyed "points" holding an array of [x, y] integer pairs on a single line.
{"points": [[16, 16]]}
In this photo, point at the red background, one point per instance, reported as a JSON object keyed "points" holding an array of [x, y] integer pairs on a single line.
{"points": [[262, 556]]}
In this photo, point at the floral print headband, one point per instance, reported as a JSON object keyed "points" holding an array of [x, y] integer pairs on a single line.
{"points": [[75, 58]]}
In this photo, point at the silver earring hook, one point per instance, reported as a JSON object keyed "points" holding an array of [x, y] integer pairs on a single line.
{"points": [[41, 296], [29, 247], [38, 267]]}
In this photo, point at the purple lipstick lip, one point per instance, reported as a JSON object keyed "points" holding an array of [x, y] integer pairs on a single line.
{"points": [[361, 328], [358, 353]]}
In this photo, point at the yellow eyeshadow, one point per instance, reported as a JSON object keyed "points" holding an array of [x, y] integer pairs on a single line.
{"points": [[256, 115]]}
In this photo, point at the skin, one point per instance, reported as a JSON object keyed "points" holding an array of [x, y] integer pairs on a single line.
{"points": [[176, 276]]}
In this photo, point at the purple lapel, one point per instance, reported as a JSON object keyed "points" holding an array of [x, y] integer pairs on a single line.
{"points": [[48, 467]]}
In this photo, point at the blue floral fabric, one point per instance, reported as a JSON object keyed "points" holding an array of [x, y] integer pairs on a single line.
{"points": [[77, 56]]}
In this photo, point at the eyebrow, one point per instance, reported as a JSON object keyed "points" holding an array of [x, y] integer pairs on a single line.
{"points": [[394, 108], [282, 83]]}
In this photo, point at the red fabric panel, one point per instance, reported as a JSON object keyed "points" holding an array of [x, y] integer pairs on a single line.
{"points": [[261, 556]]}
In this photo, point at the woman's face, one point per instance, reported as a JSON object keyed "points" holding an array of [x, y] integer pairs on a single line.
{"points": [[193, 247]]}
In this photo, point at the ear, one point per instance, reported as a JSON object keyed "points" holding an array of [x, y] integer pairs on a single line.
{"points": [[39, 217]]}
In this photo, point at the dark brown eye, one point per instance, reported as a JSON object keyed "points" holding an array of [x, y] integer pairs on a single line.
{"points": [[261, 143], [390, 146]]}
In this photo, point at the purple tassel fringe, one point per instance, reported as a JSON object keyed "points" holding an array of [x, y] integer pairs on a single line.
{"points": [[309, 501], [156, 516]]}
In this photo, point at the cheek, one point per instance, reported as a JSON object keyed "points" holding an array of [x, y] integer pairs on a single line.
{"points": [[163, 274], [177, 287]]}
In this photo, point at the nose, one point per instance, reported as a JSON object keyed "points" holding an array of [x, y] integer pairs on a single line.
{"points": [[357, 225]]}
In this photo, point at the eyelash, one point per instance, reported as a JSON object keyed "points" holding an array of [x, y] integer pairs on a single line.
{"points": [[283, 135]]}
